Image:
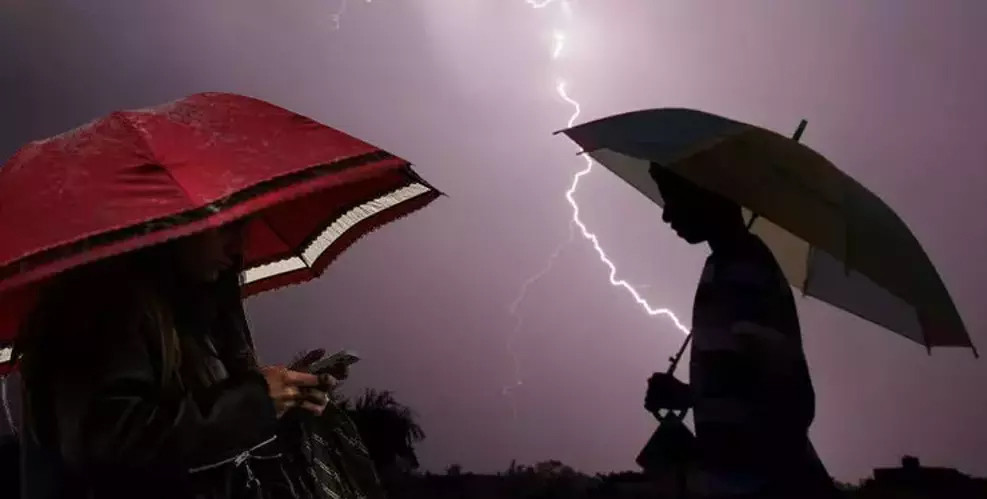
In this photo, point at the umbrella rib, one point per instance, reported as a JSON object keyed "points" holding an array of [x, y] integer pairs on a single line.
{"points": [[808, 270], [277, 233], [125, 120], [418, 178]]}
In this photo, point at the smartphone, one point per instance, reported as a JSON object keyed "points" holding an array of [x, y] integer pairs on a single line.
{"points": [[338, 359]]}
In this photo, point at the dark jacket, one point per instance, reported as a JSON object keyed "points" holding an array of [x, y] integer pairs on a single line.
{"points": [[10, 480], [102, 423]]}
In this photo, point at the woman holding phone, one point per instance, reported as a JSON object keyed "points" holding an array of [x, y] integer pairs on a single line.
{"points": [[141, 381]]}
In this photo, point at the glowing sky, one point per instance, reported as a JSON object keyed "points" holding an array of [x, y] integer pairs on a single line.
{"points": [[893, 91]]}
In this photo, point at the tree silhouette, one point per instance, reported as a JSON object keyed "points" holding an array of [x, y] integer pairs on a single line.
{"points": [[388, 429]]}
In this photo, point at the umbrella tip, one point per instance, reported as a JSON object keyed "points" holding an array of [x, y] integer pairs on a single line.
{"points": [[800, 130]]}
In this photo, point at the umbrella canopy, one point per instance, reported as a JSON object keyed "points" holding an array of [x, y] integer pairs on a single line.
{"points": [[139, 178], [834, 239]]}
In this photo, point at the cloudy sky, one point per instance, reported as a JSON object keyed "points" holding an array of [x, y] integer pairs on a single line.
{"points": [[466, 89]]}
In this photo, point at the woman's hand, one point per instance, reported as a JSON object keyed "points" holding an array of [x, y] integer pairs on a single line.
{"points": [[297, 389]]}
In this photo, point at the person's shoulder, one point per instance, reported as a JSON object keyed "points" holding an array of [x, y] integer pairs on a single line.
{"points": [[749, 264]]}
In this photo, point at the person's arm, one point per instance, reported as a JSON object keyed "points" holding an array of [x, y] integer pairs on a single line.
{"points": [[752, 302], [113, 416]]}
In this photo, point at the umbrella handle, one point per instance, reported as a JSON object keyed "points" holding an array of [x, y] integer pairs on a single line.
{"points": [[673, 364], [674, 360]]}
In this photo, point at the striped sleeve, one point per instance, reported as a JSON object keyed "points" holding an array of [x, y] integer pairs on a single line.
{"points": [[742, 305], [747, 292]]}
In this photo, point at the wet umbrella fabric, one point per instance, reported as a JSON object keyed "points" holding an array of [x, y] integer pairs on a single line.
{"points": [[138, 178], [834, 239]]}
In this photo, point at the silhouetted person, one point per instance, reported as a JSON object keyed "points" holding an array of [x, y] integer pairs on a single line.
{"points": [[750, 390]]}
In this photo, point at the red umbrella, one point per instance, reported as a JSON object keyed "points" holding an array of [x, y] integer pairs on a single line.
{"points": [[138, 178]]}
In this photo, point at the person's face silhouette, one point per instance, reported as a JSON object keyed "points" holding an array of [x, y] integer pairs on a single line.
{"points": [[695, 214]]}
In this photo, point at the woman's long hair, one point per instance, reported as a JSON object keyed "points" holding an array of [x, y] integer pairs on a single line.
{"points": [[145, 295]]}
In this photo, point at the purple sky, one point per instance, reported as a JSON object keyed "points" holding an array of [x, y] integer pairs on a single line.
{"points": [[893, 91]]}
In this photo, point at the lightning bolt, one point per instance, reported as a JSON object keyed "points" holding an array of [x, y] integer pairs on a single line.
{"points": [[508, 390], [600, 252], [337, 17], [561, 89]]}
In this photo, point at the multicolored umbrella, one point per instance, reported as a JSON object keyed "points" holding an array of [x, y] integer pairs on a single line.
{"points": [[835, 240], [138, 178]]}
